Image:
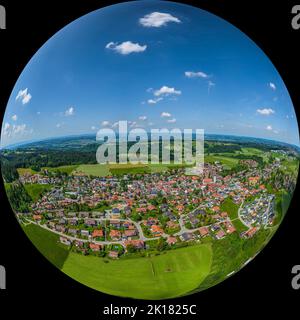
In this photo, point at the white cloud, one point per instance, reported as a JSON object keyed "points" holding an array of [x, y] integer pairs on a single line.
{"points": [[143, 118], [105, 123], [38, 113], [14, 117], [126, 47], [276, 131], [6, 129], [272, 86], [157, 19], [70, 112], [93, 128], [59, 125], [13, 130], [24, 96], [173, 120], [165, 114], [154, 101], [165, 91], [115, 124], [269, 127], [210, 85], [197, 74], [265, 111]]}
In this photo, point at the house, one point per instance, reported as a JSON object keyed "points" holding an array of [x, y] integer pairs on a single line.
{"points": [[187, 236], [95, 247], [97, 233], [113, 254], [73, 231], [115, 223], [203, 231], [115, 234], [250, 233], [90, 222], [73, 222], [207, 180], [65, 241], [85, 233], [230, 229], [220, 234], [215, 208], [60, 228], [253, 180], [37, 217], [138, 244], [172, 225], [130, 233], [171, 240], [156, 230]]}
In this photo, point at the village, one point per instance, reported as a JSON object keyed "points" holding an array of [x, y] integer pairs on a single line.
{"points": [[116, 215]]}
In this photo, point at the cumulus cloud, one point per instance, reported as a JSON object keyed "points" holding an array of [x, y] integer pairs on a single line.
{"points": [[197, 74], [105, 123], [14, 117], [165, 114], [126, 47], [24, 96], [15, 130], [265, 111], [272, 86], [157, 19], [165, 91], [154, 101], [269, 127], [143, 118], [173, 120], [70, 112]]}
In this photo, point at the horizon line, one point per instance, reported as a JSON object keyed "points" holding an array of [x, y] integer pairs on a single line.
{"points": [[14, 145]]}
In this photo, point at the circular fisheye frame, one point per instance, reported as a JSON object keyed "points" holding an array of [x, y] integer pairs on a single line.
{"points": [[149, 150]]}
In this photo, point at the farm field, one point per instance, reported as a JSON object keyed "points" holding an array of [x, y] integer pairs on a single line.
{"points": [[36, 190], [228, 162], [65, 169], [175, 273], [47, 243]]}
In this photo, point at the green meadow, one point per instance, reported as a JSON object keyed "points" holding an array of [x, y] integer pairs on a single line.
{"points": [[174, 273]]}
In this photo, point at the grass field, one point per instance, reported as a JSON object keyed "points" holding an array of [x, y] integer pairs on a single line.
{"points": [[36, 190], [23, 171], [175, 273], [48, 244], [66, 169], [102, 170], [232, 209], [226, 161], [98, 170]]}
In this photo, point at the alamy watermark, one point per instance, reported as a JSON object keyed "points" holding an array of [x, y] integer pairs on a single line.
{"points": [[2, 278], [163, 146], [296, 19], [2, 17], [296, 279]]}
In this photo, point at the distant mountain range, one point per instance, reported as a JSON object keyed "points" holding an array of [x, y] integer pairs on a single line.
{"points": [[78, 141]]}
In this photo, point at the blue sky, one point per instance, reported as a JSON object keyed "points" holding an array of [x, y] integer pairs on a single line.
{"points": [[155, 64]]}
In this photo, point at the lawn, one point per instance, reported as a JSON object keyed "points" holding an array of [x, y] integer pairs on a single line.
{"points": [[65, 169], [23, 171], [48, 244], [232, 209], [35, 190], [226, 161], [175, 273], [98, 170]]}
